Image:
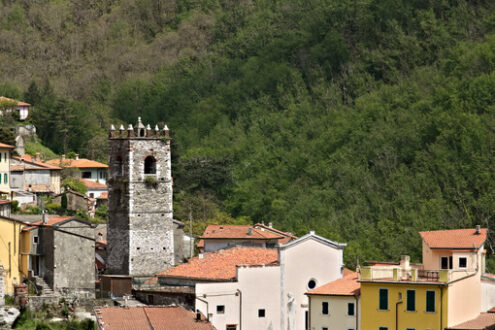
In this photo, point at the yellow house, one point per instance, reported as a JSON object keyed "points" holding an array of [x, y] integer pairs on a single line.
{"points": [[11, 258], [5, 150], [443, 292]]}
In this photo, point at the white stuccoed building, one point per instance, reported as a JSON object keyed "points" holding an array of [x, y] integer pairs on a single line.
{"points": [[269, 292]]}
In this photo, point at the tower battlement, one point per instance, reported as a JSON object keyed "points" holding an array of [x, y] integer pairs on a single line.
{"points": [[140, 238], [140, 131]]}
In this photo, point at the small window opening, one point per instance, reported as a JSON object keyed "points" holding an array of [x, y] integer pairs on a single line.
{"points": [[311, 284], [150, 165], [141, 132], [220, 309], [35, 239], [261, 312], [463, 262]]}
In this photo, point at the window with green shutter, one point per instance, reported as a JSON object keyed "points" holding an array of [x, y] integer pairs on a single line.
{"points": [[411, 301], [383, 305], [5, 178], [430, 301]]}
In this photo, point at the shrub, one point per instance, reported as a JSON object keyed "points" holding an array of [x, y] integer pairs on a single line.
{"points": [[74, 184]]}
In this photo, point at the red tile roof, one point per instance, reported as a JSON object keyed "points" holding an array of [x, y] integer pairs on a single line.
{"points": [[237, 232], [454, 239], [159, 318], [104, 195], [52, 220], [93, 185], [345, 286], [6, 146], [30, 159], [4, 201], [221, 265], [288, 236], [19, 103], [79, 163], [482, 322]]}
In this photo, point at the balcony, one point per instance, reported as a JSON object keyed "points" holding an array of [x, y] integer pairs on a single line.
{"points": [[397, 274]]}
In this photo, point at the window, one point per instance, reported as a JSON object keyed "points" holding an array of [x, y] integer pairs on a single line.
{"points": [[382, 328], [410, 329], [383, 300], [5, 178], [231, 327], [451, 263], [324, 328], [324, 308], [430, 301], [91, 195], [462, 262], [86, 175], [150, 165], [311, 284], [350, 309], [35, 239], [445, 263], [141, 132], [411, 301], [261, 312], [220, 309], [0, 157]]}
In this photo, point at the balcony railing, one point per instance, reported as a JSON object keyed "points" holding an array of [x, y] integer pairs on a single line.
{"points": [[397, 274]]}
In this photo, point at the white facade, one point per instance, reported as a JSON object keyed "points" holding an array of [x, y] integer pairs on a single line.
{"points": [[94, 174], [275, 291], [337, 317], [212, 245]]}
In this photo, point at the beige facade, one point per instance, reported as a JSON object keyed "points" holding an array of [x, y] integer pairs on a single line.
{"points": [[5, 169], [338, 317], [273, 296]]}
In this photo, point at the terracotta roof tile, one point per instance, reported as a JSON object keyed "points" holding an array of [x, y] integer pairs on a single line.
{"points": [[79, 163], [483, 321], [52, 220], [289, 235], [237, 231], [454, 239], [221, 265], [345, 286], [6, 146], [160, 318], [19, 103], [104, 195], [93, 185], [28, 158]]}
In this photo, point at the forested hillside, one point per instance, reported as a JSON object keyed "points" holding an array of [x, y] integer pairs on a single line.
{"points": [[365, 120]]}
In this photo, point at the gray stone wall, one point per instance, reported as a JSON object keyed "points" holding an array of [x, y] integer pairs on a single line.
{"points": [[74, 264], [140, 231]]}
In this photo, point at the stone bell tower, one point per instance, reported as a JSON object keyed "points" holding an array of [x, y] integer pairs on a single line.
{"points": [[140, 238]]}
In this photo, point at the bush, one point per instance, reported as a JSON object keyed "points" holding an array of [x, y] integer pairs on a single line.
{"points": [[151, 181], [54, 208], [74, 184], [9, 300], [14, 206]]}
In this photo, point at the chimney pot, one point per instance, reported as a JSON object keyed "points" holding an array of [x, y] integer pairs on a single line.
{"points": [[250, 231], [77, 156], [200, 256], [45, 217], [478, 230], [270, 225], [63, 157], [38, 157]]}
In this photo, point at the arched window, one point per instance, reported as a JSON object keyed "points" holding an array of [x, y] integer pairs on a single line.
{"points": [[141, 132], [150, 165]]}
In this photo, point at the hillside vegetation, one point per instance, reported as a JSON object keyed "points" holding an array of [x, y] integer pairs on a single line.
{"points": [[365, 120]]}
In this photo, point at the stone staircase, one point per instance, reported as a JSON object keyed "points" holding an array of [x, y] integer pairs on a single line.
{"points": [[44, 287]]}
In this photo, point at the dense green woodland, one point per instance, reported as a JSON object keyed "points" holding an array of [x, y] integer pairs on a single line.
{"points": [[365, 120]]}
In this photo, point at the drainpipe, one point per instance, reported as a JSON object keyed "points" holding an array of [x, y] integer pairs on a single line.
{"points": [[441, 307], [397, 311], [357, 312], [240, 308]]}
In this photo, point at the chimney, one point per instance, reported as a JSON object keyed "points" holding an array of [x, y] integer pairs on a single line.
{"points": [[405, 262], [63, 157], [478, 230], [250, 231], [200, 256], [112, 131], [77, 156], [198, 315], [45, 217], [38, 157], [270, 225]]}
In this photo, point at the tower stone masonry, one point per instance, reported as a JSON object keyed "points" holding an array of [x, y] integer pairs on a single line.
{"points": [[140, 238]]}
